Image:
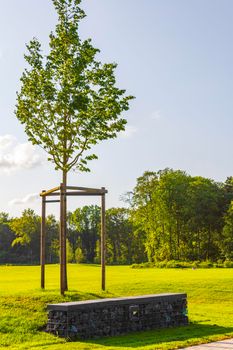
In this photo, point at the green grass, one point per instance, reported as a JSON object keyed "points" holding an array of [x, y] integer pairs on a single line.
{"points": [[23, 305]]}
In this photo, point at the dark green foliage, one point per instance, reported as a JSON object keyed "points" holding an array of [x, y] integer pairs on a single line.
{"points": [[20, 239], [182, 217], [174, 220], [83, 232], [6, 238], [120, 239], [175, 264]]}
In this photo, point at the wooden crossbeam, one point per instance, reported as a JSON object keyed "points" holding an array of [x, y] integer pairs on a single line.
{"points": [[46, 193], [81, 191], [87, 189], [78, 193]]}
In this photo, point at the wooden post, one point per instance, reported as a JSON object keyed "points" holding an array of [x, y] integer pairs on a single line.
{"points": [[65, 235], [103, 232], [62, 241], [42, 241]]}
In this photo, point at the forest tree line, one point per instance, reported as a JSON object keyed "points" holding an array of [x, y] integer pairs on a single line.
{"points": [[170, 215]]}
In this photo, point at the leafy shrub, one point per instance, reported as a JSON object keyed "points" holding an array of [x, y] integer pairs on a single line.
{"points": [[218, 265], [148, 264], [141, 266], [205, 264], [228, 263], [134, 266], [161, 264], [176, 264]]}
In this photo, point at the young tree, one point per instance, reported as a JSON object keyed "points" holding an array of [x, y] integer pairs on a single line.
{"points": [[68, 100]]}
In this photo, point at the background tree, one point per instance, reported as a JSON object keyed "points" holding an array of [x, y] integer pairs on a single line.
{"points": [[73, 233], [52, 240], [120, 240], [227, 237], [205, 218], [144, 213], [181, 217], [85, 222], [68, 100], [27, 231], [6, 238]]}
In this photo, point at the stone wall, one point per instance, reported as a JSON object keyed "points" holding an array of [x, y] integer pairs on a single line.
{"points": [[109, 317]]}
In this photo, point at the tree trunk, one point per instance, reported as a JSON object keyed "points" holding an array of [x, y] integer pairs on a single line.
{"points": [[208, 244], [199, 246], [63, 263], [170, 243], [62, 241], [64, 180], [178, 239], [64, 206]]}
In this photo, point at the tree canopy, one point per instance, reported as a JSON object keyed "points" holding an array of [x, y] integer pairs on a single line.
{"points": [[69, 100]]}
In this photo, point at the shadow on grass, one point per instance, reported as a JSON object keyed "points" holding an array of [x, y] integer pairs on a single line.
{"points": [[85, 296], [52, 296], [192, 331]]}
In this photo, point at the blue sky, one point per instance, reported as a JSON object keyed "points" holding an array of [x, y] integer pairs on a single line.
{"points": [[174, 56]]}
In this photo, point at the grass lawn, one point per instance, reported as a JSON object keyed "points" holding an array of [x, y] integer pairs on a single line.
{"points": [[23, 305]]}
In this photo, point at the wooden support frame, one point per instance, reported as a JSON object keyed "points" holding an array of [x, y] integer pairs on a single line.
{"points": [[62, 192]]}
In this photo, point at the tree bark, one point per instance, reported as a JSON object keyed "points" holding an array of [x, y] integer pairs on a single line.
{"points": [[62, 241], [64, 179], [42, 242]]}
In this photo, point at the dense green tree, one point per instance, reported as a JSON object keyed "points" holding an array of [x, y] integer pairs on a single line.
{"points": [[73, 234], [52, 239], [86, 222], [160, 210], [173, 208], [27, 231], [143, 212], [227, 238], [6, 238], [120, 240], [171, 216], [181, 216], [227, 188], [205, 220]]}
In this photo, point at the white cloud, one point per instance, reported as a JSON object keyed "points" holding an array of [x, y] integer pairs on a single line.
{"points": [[16, 156], [6, 141], [27, 199], [156, 115], [130, 130]]}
